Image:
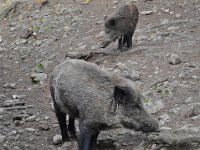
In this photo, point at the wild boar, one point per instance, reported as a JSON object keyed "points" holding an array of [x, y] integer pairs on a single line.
{"points": [[100, 100], [121, 25]]}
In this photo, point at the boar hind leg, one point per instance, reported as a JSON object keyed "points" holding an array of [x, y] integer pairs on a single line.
{"points": [[119, 44], [71, 128], [62, 123]]}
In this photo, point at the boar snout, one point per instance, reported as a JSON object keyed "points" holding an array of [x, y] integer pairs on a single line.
{"points": [[150, 125]]}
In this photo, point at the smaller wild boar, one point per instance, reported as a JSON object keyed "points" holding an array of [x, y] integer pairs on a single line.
{"points": [[121, 26], [100, 100]]}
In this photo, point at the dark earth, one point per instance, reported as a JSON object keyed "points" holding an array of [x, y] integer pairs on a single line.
{"points": [[36, 35]]}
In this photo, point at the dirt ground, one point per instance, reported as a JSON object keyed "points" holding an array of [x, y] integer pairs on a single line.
{"points": [[34, 38]]}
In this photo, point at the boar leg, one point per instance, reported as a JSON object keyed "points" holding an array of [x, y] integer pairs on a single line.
{"points": [[71, 128], [62, 123], [120, 44], [93, 143], [129, 40], [88, 137]]}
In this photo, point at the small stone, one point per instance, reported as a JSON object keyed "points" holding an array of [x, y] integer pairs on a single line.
{"points": [[16, 148], [46, 117], [38, 77], [165, 21], [82, 47], [196, 118], [100, 35], [9, 85], [44, 127], [146, 12], [31, 118], [142, 38], [18, 96], [166, 10], [172, 28], [14, 132], [176, 111], [30, 129], [38, 43], [1, 38], [2, 138], [1, 110], [57, 139], [1, 117], [164, 117], [174, 59], [178, 15]]}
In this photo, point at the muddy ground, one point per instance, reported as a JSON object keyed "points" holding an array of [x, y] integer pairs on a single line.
{"points": [[164, 61]]}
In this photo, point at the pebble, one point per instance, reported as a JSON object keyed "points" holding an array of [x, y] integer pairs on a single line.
{"points": [[2, 138], [39, 77], [31, 118], [174, 59], [13, 132], [1, 110], [10, 103], [1, 38], [146, 12], [30, 129], [57, 139], [164, 117], [178, 15], [9, 85]]}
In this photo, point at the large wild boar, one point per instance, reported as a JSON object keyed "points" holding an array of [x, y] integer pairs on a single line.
{"points": [[100, 100], [121, 26]]}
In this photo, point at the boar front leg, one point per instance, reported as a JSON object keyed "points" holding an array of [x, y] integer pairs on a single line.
{"points": [[88, 138], [62, 123], [128, 40]]}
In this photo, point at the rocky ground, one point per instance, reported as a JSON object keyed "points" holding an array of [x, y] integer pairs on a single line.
{"points": [[164, 61]]}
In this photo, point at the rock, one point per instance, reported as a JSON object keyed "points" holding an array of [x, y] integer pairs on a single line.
{"points": [[18, 96], [11, 103], [125, 71], [70, 146], [178, 15], [176, 111], [172, 28], [30, 130], [146, 12], [1, 110], [9, 85], [13, 132], [164, 117], [31, 118], [196, 118], [57, 139], [82, 47], [1, 38], [44, 126], [100, 35], [2, 138], [174, 59], [141, 38], [1, 117], [38, 43], [38, 77], [153, 106]]}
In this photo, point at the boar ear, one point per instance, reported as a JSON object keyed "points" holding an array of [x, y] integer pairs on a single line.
{"points": [[112, 22], [121, 94]]}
